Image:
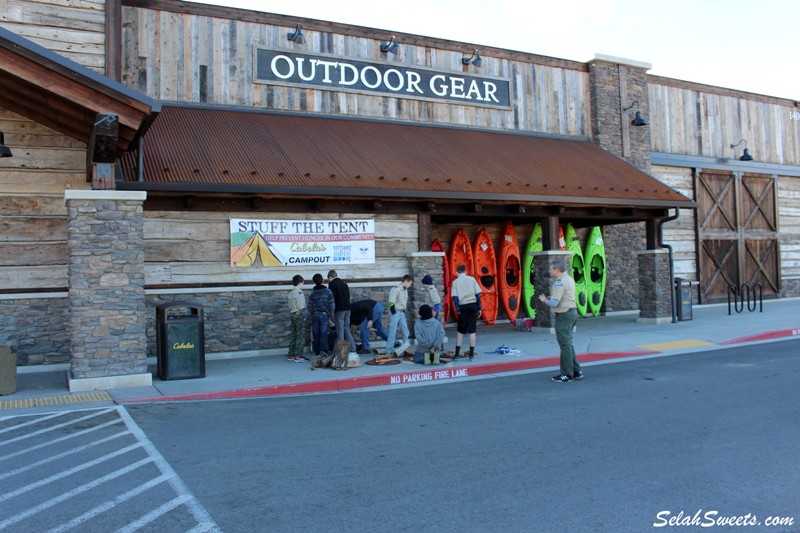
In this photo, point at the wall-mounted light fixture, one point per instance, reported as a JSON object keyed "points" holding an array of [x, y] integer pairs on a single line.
{"points": [[638, 119], [5, 151], [296, 36], [390, 46], [745, 153], [475, 59]]}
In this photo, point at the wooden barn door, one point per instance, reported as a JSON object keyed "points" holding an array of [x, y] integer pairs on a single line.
{"points": [[737, 233]]}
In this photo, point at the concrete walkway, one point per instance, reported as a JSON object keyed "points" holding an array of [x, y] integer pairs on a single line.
{"points": [[615, 337]]}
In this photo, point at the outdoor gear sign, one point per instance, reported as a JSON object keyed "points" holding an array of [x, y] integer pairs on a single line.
{"points": [[328, 72], [302, 242]]}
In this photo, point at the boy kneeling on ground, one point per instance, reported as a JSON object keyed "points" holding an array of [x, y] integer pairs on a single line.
{"points": [[430, 337]]}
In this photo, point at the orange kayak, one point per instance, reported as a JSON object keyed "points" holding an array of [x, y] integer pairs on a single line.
{"points": [[486, 275], [510, 272], [460, 254]]}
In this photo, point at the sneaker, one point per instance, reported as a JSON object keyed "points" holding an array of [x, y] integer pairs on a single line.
{"points": [[561, 378], [402, 348], [578, 375], [299, 360], [292, 359], [363, 352]]}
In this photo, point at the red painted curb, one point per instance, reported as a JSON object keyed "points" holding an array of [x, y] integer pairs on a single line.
{"points": [[439, 373], [777, 334]]}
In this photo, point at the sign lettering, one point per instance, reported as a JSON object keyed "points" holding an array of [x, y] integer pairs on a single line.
{"points": [[328, 73]]}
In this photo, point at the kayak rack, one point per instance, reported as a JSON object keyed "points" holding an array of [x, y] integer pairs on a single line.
{"points": [[741, 294]]}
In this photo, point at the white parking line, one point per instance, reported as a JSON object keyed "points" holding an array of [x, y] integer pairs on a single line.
{"points": [[155, 513], [74, 492], [34, 421], [61, 455], [100, 509], [57, 426], [61, 439], [198, 511], [182, 499], [65, 473]]}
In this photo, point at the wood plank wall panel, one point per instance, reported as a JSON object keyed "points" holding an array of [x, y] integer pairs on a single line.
{"points": [[72, 28], [188, 248], [789, 226], [687, 121], [680, 233], [163, 53], [33, 218]]}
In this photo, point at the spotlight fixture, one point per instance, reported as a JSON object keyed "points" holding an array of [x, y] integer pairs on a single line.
{"points": [[638, 119], [5, 151], [475, 59], [745, 153], [296, 36], [390, 46]]}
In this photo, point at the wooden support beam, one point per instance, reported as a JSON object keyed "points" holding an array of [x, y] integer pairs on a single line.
{"points": [[424, 231], [102, 147], [651, 230], [550, 233]]}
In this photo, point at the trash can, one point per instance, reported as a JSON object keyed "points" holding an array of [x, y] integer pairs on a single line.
{"points": [[8, 371], [180, 341], [683, 299]]}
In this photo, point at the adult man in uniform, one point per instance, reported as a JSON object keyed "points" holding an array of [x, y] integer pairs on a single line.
{"points": [[562, 302]]}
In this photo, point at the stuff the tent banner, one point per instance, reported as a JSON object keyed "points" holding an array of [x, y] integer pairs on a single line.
{"points": [[302, 242]]}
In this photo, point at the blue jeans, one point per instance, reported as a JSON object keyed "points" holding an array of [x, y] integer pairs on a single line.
{"points": [[377, 323], [395, 320], [319, 331], [343, 328]]}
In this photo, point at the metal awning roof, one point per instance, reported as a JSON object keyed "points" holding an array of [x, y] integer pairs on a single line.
{"points": [[66, 96], [203, 149]]}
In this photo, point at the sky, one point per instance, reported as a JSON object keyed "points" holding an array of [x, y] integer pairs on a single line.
{"points": [[747, 45]]}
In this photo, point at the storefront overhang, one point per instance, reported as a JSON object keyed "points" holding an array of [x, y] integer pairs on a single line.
{"points": [[56, 92], [193, 150]]}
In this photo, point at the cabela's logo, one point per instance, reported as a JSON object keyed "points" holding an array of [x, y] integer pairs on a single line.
{"points": [[182, 346]]}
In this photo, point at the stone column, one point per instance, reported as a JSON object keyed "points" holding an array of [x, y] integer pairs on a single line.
{"points": [[107, 312], [423, 263], [615, 84], [545, 319], [655, 287]]}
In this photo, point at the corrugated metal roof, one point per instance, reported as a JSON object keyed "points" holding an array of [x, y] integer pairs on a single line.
{"points": [[203, 149]]}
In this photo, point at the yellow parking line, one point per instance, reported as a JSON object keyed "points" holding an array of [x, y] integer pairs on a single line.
{"points": [[64, 399], [675, 345]]}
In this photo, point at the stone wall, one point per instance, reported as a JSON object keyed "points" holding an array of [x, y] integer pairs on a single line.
{"points": [[622, 268], [655, 287], [36, 329], [790, 288], [241, 321], [105, 241], [614, 86]]}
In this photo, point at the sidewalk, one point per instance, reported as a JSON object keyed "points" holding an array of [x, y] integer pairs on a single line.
{"points": [[606, 338]]}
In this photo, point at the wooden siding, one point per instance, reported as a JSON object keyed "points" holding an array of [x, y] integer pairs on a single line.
{"points": [[189, 248], [690, 122], [164, 52], [680, 233], [33, 219], [72, 28], [789, 226]]}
